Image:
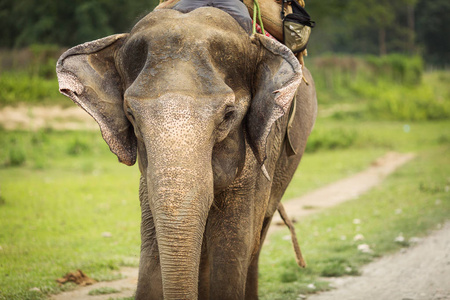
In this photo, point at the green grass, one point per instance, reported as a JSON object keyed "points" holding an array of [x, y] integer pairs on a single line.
{"points": [[56, 207], [103, 291]]}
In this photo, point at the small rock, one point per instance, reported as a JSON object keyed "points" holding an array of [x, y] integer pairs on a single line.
{"points": [[414, 240], [364, 248], [35, 289], [311, 286], [356, 221], [358, 237], [399, 239], [301, 296], [348, 269], [106, 234], [332, 285]]}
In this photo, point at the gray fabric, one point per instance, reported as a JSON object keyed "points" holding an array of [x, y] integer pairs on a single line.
{"points": [[235, 8]]}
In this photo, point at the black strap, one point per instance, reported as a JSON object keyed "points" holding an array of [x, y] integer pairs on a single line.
{"points": [[301, 15], [282, 9]]}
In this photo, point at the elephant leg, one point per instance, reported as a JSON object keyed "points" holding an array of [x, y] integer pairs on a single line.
{"points": [[150, 280], [230, 243], [251, 289]]}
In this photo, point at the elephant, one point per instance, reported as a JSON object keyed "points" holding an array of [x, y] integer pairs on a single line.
{"points": [[204, 108]]}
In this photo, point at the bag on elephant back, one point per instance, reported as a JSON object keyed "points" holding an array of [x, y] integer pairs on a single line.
{"points": [[286, 20], [296, 27]]}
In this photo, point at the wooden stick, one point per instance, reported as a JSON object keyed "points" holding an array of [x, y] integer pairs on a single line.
{"points": [[298, 253]]}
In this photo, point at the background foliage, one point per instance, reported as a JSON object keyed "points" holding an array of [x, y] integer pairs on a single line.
{"points": [[343, 26], [66, 22], [381, 27]]}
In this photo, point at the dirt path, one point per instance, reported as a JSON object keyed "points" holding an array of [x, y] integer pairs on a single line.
{"points": [[333, 194], [345, 189], [38, 117], [421, 272]]}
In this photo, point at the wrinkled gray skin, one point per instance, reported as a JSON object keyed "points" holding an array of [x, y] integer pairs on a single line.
{"points": [[205, 109]]}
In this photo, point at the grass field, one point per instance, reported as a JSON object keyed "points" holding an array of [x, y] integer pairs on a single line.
{"points": [[67, 204]]}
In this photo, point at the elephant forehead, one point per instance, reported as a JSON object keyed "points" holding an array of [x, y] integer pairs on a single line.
{"points": [[207, 32], [201, 54], [203, 18], [197, 80]]}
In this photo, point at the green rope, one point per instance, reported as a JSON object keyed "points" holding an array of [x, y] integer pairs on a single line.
{"points": [[257, 10], [254, 17]]}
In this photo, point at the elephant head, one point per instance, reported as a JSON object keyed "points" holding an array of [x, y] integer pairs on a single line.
{"points": [[186, 94]]}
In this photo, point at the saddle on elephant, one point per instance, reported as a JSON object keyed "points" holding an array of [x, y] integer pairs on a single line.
{"points": [[285, 20]]}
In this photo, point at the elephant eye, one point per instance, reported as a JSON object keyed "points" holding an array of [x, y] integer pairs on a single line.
{"points": [[229, 113], [130, 114]]}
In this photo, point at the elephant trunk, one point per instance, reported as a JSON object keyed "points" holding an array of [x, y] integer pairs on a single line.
{"points": [[180, 202], [178, 149]]}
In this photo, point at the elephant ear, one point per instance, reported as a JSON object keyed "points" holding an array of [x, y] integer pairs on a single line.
{"points": [[278, 75], [87, 74]]}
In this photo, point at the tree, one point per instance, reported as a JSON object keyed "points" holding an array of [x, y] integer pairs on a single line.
{"points": [[66, 22], [373, 13], [433, 30]]}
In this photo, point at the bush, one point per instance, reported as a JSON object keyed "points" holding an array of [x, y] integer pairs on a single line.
{"points": [[400, 69], [335, 75], [44, 59], [17, 156], [340, 71], [392, 87], [22, 87], [323, 139], [28, 75], [77, 147], [409, 104]]}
